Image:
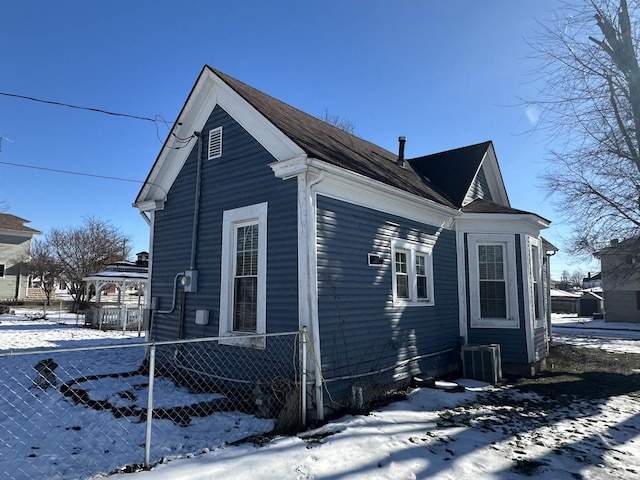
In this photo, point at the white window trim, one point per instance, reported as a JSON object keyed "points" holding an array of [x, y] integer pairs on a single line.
{"points": [[508, 242], [412, 249], [538, 322], [215, 135], [230, 220]]}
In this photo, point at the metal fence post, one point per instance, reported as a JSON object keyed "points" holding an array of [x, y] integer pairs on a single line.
{"points": [[147, 441], [303, 387]]}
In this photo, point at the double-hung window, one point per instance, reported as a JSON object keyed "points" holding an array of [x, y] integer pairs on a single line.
{"points": [[412, 269], [243, 274], [536, 286], [492, 275]]}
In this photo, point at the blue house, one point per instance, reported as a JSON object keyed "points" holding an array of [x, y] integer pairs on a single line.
{"points": [[273, 220]]}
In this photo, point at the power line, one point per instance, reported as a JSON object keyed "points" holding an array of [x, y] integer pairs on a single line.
{"points": [[68, 172], [157, 119]]}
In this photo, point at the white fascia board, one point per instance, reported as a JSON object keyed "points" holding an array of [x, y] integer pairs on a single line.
{"points": [[149, 205], [358, 189], [209, 91], [18, 233], [529, 224], [292, 167], [462, 287]]}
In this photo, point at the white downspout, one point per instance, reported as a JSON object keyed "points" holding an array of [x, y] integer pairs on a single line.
{"points": [[307, 267]]}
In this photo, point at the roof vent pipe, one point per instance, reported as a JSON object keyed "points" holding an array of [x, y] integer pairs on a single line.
{"points": [[401, 141]]}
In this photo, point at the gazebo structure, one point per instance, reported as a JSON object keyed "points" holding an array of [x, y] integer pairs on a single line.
{"points": [[125, 277]]}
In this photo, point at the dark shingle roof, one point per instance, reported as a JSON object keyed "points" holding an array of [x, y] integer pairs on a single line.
{"points": [[335, 146], [453, 170], [11, 222], [484, 206]]}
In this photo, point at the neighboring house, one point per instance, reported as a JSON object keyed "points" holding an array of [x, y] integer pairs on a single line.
{"points": [[15, 248], [275, 220], [592, 282], [620, 270]]}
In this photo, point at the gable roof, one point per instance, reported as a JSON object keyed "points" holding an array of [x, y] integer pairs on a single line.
{"points": [[15, 224], [335, 146], [627, 246], [286, 132], [453, 170]]}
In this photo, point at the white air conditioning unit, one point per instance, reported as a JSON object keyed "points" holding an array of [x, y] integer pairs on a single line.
{"points": [[482, 362]]}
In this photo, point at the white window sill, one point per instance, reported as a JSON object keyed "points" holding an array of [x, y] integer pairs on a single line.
{"points": [[248, 340], [494, 323], [409, 303]]}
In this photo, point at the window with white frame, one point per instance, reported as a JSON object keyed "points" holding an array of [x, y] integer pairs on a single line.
{"points": [[492, 277], [536, 286], [412, 270], [243, 274], [1, 269]]}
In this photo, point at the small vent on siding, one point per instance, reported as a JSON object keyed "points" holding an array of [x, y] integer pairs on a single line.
{"points": [[215, 143]]}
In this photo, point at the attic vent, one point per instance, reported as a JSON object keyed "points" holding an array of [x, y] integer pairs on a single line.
{"points": [[215, 143]]}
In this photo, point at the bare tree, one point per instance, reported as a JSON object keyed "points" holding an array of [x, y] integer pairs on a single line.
{"points": [[576, 278], [43, 265], [85, 250], [590, 106], [337, 121]]}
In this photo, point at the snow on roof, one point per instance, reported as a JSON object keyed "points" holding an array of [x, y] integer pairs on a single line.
{"points": [[555, 293]]}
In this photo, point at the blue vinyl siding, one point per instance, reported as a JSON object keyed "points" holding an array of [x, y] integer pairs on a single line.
{"points": [[239, 178], [361, 331], [513, 342]]}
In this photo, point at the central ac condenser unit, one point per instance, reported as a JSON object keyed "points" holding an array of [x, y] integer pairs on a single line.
{"points": [[482, 362]]}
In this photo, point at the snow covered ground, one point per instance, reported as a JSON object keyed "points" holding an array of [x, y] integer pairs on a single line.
{"points": [[483, 432]]}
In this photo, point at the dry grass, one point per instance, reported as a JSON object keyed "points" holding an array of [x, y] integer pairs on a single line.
{"points": [[585, 373]]}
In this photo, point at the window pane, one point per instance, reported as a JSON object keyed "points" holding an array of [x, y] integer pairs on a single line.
{"points": [[245, 293], [421, 276], [401, 262], [402, 279], [402, 284], [422, 287], [245, 304], [493, 300], [247, 250]]}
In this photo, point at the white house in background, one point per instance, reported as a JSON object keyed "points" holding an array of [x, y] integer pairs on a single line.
{"points": [[15, 247]]}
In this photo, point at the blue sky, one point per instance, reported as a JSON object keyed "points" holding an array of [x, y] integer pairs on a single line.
{"points": [[443, 74]]}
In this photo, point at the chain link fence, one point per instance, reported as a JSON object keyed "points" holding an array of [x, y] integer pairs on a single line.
{"points": [[77, 413]]}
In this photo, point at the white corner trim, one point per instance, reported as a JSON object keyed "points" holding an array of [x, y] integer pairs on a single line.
{"points": [[462, 286]]}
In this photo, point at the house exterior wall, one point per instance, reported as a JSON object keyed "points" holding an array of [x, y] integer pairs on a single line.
{"points": [[622, 306], [239, 178], [523, 344], [621, 287], [361, 329], [13, 284]]}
